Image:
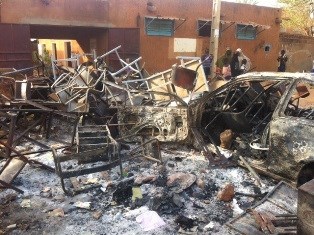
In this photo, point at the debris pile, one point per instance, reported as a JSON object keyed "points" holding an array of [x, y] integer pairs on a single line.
{"points": [[178, 195], [104, 136]]}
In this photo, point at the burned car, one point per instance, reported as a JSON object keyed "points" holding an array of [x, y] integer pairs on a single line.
{"points": [[276, 108]]}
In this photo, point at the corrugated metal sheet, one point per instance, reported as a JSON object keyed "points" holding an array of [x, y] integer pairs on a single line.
{"points": [[15, 46], [129, 39]]}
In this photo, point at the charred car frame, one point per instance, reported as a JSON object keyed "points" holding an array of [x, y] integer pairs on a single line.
{"points": [[276, 108]]}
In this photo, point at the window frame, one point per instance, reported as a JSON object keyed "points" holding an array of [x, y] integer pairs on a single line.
{"points": [[152, 29], [250, 32], [206, 23]]}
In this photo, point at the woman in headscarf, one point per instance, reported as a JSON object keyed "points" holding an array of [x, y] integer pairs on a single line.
{"points": [[241, 57]]}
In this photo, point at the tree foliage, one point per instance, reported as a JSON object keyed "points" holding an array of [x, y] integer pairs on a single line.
{"points": [[296, 16]]}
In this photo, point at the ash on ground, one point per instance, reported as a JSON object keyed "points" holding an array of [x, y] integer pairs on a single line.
{"points": [[182, 190]]}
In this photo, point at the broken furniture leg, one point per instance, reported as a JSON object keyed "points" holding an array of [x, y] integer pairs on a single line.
{"points": [[254, 174], [13, 166]]}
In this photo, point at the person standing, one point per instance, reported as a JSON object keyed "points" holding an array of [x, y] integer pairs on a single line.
{"points": [[241, 57], [282, 60], [220, 62], [243, 68], [226, 70], [207, 61], [235, 65]]}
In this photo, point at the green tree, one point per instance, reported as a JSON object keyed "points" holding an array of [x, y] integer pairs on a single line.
{"points": [[44, 59], [296, 16]]}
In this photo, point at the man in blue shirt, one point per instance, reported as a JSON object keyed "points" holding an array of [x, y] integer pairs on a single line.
{"points": [[207, 61]]}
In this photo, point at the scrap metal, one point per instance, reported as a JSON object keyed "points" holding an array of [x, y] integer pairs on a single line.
{"points": [[306, 208], [274, 214], [264, 106], [168, 105], [103, 151], [162, 123]]}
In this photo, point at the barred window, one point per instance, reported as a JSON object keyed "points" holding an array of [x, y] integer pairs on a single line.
{"points": [[159, 27], [245, 32]]}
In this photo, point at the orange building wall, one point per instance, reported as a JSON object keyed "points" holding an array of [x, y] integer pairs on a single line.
{"points": [[56, 12], [157, 52]]}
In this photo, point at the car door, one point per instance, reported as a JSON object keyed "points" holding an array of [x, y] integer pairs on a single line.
{"points": [[291, 131]]}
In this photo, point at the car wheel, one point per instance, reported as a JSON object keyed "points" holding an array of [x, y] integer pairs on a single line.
{"points": [[306, 174]]}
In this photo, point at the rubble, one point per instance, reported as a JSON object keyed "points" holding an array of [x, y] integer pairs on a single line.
{"points": [[57, 212], [83, 205], [257, 107], [272, 215], [149, 220], [108, 130], [139, 180], [97, 215], [184, 222], [180, 181], [226, 139], [226, 194], [167, 205]]}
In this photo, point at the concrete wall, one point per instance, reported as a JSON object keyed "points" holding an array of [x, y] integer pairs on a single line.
{"points": [[158, 52], [300, 51]]}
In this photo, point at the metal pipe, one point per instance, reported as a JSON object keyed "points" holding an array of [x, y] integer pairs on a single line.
{"points": [[107, 53], [21, 70]]}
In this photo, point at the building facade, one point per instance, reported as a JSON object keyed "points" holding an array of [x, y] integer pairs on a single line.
{"points": [[156, 30]]}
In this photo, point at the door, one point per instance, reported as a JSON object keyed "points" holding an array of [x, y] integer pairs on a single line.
{"points": [[15, 46], [129, 39], [292, 131]]}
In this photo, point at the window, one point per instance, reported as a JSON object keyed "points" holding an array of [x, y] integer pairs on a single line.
{"points": [[246, 32], [159, 27], [300, 103], [204, 28]]}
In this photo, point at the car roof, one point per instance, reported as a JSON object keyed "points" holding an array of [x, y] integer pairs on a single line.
{"points": [[272, 75]]}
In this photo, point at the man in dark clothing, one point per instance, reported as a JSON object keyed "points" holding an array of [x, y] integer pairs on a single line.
{"points": [[226, 57], [234, 65], [282, 59]]}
